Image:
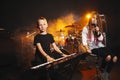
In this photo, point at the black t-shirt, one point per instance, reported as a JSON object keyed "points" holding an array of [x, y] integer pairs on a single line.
{"points": [[45, 41]]}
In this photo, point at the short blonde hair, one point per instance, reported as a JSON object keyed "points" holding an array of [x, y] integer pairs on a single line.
{"points": [[41, 18]]}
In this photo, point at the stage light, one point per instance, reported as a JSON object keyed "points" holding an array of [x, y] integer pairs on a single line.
{"points": [[88, 16]]}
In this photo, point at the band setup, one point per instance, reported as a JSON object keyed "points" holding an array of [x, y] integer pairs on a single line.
{"points": [[74, 46], [64, 67], [72, 42], [59, 40]]}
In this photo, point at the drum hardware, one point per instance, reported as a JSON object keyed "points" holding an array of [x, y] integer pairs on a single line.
{"points": [[61, 38], [72, 42]]}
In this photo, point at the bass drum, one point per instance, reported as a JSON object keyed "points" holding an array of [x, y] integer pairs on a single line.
{"points": [[69, 44]]}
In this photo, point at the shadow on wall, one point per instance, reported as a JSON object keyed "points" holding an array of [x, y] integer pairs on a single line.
{"points": [[7, 49], [15, 54], [8, 55]]}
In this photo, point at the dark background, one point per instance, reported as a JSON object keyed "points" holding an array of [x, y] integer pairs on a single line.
{"points": [[15, 14]]}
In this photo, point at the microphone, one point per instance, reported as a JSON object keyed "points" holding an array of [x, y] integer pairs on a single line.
{"points": [[96, 33], [102, 16]]}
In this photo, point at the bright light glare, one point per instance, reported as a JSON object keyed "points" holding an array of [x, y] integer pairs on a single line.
{"points": [[88, 16]]}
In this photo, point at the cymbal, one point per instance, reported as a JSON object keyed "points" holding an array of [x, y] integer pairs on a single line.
{"points": [[69, 26], [61, 30], [72, 26]]}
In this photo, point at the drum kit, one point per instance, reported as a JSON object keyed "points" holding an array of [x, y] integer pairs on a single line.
{"points": [[72, 40]]}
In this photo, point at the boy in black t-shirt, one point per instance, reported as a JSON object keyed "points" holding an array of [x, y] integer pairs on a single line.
{"points": [[42, 41]]}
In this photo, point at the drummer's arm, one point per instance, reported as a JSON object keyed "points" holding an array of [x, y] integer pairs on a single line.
{"points": [[38, 45], [58, 50]]}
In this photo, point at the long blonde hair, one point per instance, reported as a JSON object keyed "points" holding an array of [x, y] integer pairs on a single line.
{"points": [[98, 19], [99, 24]]}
